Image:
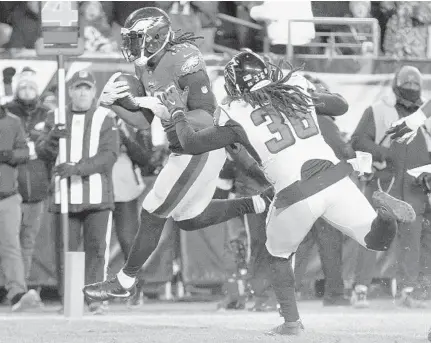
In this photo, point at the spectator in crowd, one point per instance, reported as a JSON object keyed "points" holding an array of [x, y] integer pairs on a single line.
{"points": [[128, 185], [328, 239], [49, 100], [92, 149], [235, 242], [23, 17], [199, 17], [277, 16], [97, 31], [391, 162], [33, 179], [13, 151], [406, 33]]}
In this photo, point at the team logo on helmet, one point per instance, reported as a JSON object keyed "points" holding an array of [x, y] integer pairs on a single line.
{"points": [[145, 24], [229, 70]]}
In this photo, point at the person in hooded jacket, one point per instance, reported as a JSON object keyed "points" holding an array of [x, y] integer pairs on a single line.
{"points": [[391, 161], [33, 178]]}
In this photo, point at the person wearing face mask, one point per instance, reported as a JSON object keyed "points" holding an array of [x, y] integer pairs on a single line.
{"points": [[33, 177], [391, 160]]}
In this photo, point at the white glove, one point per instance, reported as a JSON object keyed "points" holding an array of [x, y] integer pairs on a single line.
{"points": [[113, 91], [405, 129], [155, 105]]}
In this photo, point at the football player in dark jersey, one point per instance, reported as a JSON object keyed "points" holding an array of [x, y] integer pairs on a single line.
{"points": [[185, 186]]}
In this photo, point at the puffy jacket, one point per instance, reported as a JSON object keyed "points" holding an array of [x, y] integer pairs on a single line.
{"points": [[33, 176], [12, 138]]}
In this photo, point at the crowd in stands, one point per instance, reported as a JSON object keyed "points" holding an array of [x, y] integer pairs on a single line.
{"points": [[403, 25]]}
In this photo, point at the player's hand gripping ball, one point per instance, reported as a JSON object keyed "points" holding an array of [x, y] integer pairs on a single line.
{"points": [[135, 90]]}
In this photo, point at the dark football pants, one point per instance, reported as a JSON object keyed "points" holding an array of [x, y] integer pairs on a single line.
{"points": [[94, 229], [330, 243], [126, 219]]}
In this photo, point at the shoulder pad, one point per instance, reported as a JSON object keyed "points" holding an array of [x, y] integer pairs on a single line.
{"points": [[188, 59]]}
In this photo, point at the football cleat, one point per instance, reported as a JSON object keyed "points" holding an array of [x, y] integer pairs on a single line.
{"points": [[287, 329], [393, 207], [359, 297], [106, 290]]}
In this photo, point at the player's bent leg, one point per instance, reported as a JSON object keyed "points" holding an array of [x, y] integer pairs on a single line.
{"points": [[219, 211], [283, 283], [349, 211], [144, 244]]}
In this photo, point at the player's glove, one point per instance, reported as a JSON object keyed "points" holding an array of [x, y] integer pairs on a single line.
{"points": [[405, 129], [155, 105], [65, 170], [174, 100], [113, 90]]}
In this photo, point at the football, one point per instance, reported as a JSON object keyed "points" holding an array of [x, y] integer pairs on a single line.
{"points": [[136, 89], [135, 116]]}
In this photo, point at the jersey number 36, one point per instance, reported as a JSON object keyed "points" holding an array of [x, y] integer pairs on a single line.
{"points": [[304, 128]]}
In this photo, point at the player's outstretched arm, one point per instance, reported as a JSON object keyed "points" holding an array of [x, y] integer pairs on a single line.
{"points": [[205, 140], [330, 104]]}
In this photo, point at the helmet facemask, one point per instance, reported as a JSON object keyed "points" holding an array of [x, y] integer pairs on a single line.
{"points": [[143, 45]]}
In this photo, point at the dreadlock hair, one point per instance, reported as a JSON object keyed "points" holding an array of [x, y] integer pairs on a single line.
{"points": [[285, 99], [187, 37]]}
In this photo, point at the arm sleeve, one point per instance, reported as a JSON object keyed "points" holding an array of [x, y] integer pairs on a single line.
{"points": [[332, 136], [200, 93], [212, 138], [140, 119], [330, 104], [364, 137], [46, 148], [107, 154], [249, 166], [20, 153], [138, 154]]}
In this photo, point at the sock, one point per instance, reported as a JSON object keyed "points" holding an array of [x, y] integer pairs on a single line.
{"points": [[382, 233], [283, 283], [125, 281], [219, 211], [258, 204], [145, 242]]}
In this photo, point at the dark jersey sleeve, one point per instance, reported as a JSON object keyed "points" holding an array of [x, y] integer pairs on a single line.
{"points": [[212, 138], [330, 104]]}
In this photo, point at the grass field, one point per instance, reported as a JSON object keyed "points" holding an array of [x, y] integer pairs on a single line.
{"points": [[199, 323]]}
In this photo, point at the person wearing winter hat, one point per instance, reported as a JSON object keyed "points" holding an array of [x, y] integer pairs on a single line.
{"points": [[391, 160], [33, 176]]}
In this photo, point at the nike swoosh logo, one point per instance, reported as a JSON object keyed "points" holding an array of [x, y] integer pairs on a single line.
{"points": [[125, 295]]}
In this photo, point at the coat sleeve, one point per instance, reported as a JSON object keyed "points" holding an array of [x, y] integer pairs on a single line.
{"points": [[363, 139], [106, 156], [20, 152], [47, 148]]}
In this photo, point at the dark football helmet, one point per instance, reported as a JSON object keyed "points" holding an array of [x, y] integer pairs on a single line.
{"points": [[145, 33], [245, 72]]}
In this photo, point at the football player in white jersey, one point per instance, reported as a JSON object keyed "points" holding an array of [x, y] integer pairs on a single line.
{"points": [[273, 117]]}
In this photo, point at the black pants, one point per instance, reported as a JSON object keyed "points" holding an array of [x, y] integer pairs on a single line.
{"points": [[94, 228], [126, 219], [330, 243]]}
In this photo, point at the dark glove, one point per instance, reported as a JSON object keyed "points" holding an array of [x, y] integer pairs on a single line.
{"points": [[8, 74], [58, 131], [5, 156], [425, 181], [65, 170]]}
